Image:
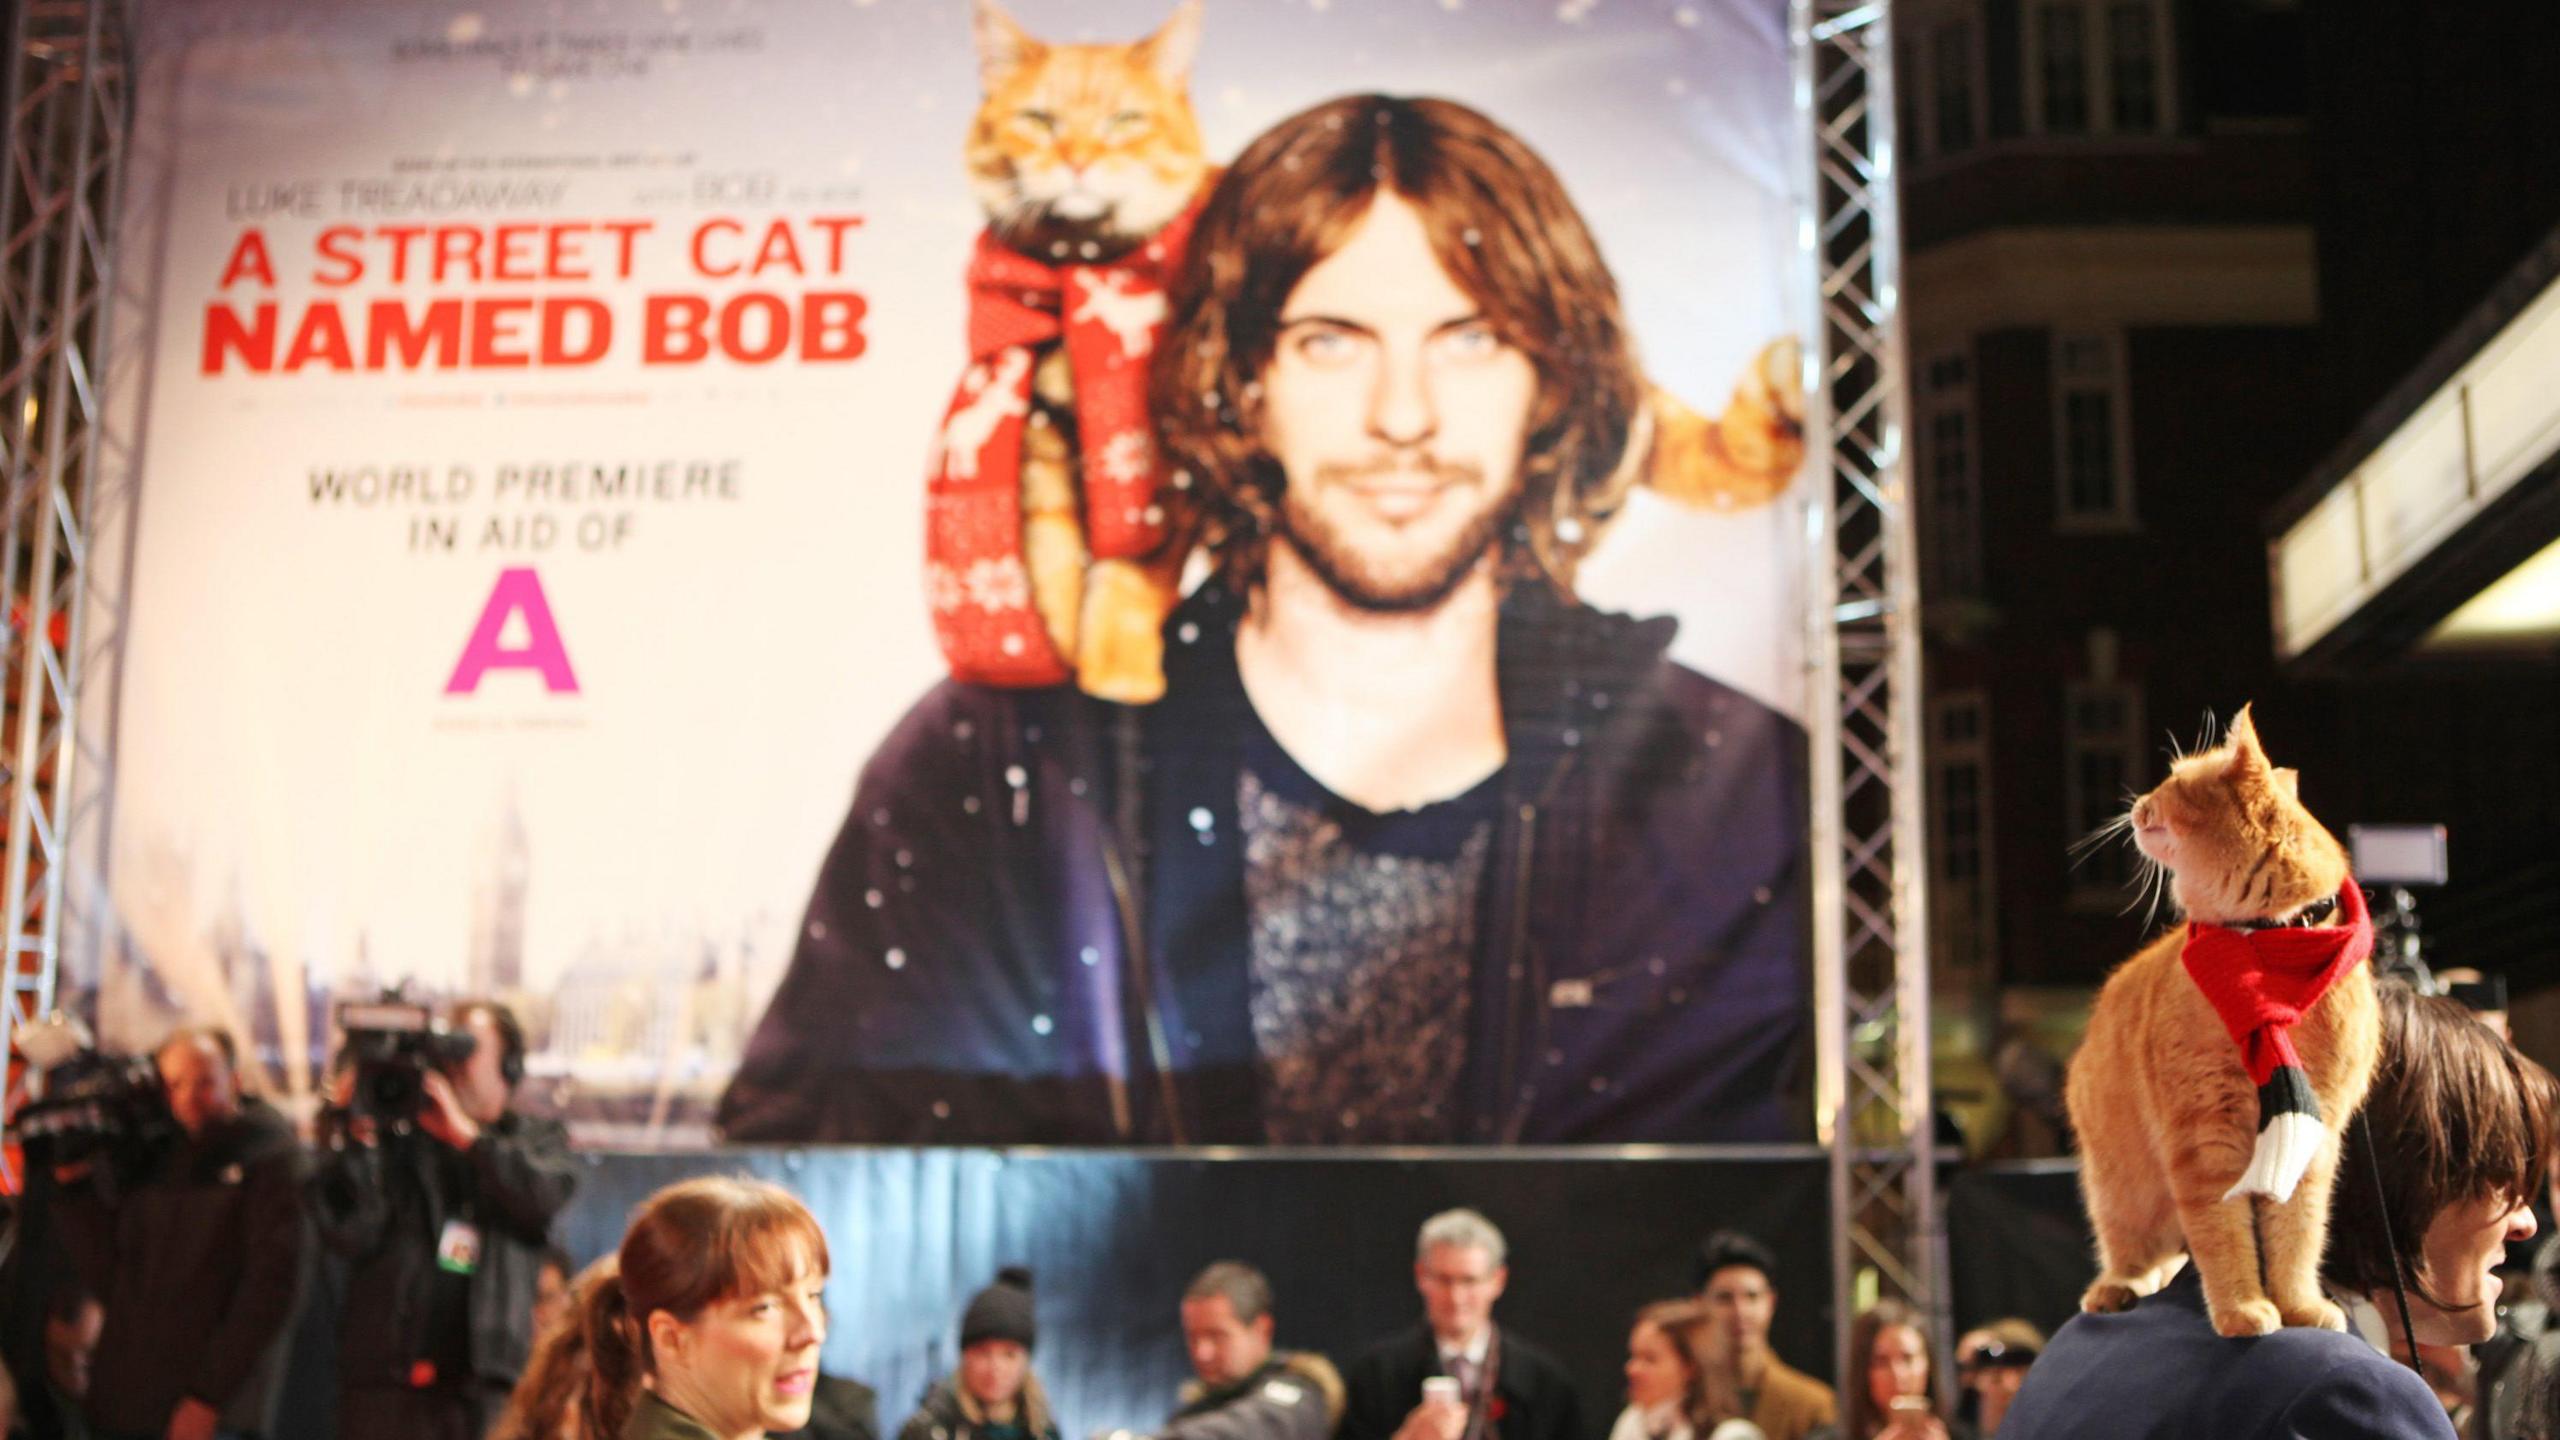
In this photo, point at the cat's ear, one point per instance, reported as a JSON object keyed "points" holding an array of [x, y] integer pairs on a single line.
{"points": [[1170, 51], [2290, 782], [2247, 757], [1003, 46]]}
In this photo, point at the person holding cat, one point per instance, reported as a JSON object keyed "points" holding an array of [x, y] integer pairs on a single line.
{"points": [[1417, 847], [2460, 1126]]}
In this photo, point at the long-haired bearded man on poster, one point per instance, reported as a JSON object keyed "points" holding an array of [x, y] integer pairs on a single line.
{"points": [[1417, 848]]}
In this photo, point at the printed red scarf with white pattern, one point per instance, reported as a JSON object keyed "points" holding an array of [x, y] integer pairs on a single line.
{"points": [[1108, 315]]}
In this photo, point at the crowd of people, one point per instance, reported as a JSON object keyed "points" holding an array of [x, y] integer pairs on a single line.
{"points": [[167, 1315], [169, 1309], [169, 1276]]}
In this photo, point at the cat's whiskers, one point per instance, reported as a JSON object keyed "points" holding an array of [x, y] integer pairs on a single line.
{"points": [[2155, 882], [2121, 825]]}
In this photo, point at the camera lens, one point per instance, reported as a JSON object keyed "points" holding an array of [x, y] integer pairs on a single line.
{"points": [[391, 1091]]}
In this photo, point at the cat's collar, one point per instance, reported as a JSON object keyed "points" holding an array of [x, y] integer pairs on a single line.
{"points": [[2317, 913]]}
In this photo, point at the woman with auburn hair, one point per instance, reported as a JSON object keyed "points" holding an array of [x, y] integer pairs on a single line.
{"points": [[1667, 1375], [546, 1401], [711, 1327], [2459, 1126]]}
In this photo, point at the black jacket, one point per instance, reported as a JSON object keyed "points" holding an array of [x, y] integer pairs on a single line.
{"points": [[1534, 1398], [200, 1265], [1294, 1396], [2159, 1372], [383, 1207], [1002, 947]]}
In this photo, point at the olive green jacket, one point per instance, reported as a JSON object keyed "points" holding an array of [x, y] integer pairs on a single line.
{"points": [[655, 1419]]}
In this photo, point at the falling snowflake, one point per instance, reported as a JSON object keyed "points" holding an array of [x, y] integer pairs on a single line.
{"points": [[1573, 12], [999, 584], [466, 27], [1686, 16], [1126, 458]]}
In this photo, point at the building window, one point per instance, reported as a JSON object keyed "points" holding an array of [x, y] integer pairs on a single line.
{"points": [[2092, 433], [2133, 68], [1950, 480], [2062, 59], [1951, 84], [2102, 759], [1961, 766], [2099, 67], [1939, 82]]}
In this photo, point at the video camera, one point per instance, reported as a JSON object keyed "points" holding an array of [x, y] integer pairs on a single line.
{"points": [[393, 1042], [94, 1104]]}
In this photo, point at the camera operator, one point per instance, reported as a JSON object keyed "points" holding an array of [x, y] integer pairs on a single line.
{"points": [[197, 1250], [444, 1216]]}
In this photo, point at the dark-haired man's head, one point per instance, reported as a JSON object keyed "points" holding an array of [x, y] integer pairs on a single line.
{"points": [[1226, 1323], [1396, 351], [1737, 1277], [2461, 1127], [485, 1080]]}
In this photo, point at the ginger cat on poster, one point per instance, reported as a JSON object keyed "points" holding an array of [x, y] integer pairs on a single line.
{"points": [[1087, 161], [1089, 156], [2181, 1152]]}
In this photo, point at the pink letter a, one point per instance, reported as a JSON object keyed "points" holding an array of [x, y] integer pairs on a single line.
{"points": [[519, 591]]}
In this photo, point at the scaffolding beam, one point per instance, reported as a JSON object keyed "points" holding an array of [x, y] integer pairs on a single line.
{"points": [[62, 147], [1870, 922]]}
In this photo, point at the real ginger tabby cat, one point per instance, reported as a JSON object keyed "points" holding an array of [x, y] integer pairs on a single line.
{"points": [[2166, 1113]]}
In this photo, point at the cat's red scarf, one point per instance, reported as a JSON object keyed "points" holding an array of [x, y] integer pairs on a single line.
{"points": [[1109, 315], [2262, 982]]}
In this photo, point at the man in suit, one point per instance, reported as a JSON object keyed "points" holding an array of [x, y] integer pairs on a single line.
{"points": [[1506, 1388]]}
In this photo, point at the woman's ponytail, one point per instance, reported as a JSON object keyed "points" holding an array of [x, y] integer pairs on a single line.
{"points": [[617, 1354]]}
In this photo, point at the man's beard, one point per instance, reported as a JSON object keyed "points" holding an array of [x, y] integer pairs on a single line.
{"points": [[1362, 584]]}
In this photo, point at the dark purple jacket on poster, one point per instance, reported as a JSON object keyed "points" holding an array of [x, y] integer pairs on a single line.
{"points": [[1032, 926]]}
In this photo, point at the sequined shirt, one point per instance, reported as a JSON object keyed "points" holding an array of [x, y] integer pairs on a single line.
{"points": [[1362, 931]]}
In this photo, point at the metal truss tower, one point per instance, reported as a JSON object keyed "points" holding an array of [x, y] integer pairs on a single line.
{"points": [[61, 152], [1870, 917]]}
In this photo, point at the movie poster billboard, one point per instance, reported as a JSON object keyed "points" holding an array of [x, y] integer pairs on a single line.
{"points": [[928, 572]]}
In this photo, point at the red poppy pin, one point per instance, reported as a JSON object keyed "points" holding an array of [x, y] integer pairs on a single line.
{"points": [[1496, 1409]]}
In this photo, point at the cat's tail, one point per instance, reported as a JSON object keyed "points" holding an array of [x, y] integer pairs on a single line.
{"points": [[2289, 1137]]}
